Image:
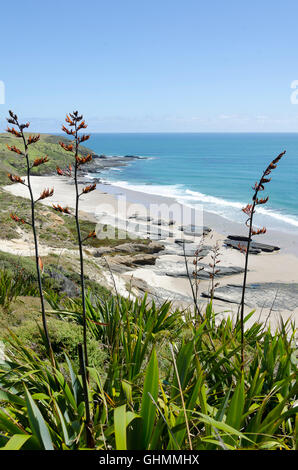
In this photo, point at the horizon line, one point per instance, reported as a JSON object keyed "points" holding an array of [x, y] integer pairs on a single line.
{"points": [[169, 132]]}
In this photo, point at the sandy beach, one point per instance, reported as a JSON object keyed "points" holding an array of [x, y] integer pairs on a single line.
{"points": [[128, 210]]}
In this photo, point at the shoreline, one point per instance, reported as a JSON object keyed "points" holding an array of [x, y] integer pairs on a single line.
{"points": [[275, 268], [287, 241]]}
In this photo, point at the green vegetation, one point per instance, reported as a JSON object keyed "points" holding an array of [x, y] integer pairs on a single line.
{"points": [[47, 145], [64, 338], [18, 279], [55, 230], [134, 391], [136, 387]]}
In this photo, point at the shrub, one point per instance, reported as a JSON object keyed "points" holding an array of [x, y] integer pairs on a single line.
{"points": [[13, 286], [65, 337]]}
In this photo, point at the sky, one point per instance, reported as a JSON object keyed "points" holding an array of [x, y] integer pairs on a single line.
{"points": [[151, 65]]}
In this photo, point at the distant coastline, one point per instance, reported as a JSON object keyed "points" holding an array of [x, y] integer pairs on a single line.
{"points": [[215, 170]]}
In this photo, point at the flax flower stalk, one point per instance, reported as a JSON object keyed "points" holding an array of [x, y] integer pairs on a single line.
{"points": [[250, 210], [13, 119], [75, 123]]}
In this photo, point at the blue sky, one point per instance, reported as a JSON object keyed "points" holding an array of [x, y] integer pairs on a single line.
{"points": [[152, 66]]}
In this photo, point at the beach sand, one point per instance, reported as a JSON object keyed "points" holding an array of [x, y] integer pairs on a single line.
{"points": [[111, 204]]}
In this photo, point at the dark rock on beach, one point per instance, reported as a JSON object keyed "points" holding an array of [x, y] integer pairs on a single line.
{"points": [[264, 247], [195, 230], [140, 218], [238, 245], [181, 241], [139, 259], [241, 238], [157, 236], [254, 247], [191, 251], [151, 248], [151, 231], [164, 222]]}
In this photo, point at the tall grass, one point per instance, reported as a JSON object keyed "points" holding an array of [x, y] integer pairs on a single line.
{"points": [[12, 286]]}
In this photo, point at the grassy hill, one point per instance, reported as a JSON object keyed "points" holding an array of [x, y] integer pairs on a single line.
{"points": [[48, 145]]}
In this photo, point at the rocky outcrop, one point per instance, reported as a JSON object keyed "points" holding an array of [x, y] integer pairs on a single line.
{"points": [[254, 247], [272, 295], [164, 222], [102, 250], [146, 229], [157, 236], [102, 162], [140, 259], [240, 245], [241, 238], [190, 249], [192, 252], [195, 230], [142, 218], [181, 241], [150, 248], [178, 269]]}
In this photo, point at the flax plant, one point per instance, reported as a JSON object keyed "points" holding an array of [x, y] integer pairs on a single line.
{"points": [[249, 210], [75, 123], [214, 269], [193, 279], [18, 132]]}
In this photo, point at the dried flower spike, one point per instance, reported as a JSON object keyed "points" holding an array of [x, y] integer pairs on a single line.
{"points": [[64, 210], [83, 160], [65, 172], [69, 121], [83, 138], [32, 139], [89, 188], [83, 125], [17, 219], [46, 193], [40, 161], [14, 132], [15, 178], [68, 131], [67, 147], [14, 149]]}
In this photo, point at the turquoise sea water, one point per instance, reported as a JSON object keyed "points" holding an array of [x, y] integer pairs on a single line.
{"points": [[217, 170]]}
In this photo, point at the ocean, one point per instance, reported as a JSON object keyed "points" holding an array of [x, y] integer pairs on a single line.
{"points": [[214, 169]]}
